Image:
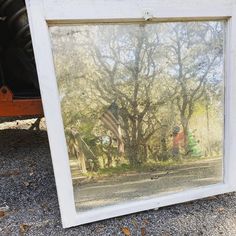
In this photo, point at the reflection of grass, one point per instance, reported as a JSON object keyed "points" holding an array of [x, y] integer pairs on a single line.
{"points": [[124, 168], [151, 166], [118, 170]]}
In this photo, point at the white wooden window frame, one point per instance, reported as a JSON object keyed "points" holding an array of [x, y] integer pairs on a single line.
{"points": [[43, 13]]}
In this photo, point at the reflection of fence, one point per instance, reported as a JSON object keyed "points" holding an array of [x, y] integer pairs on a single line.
{"points": [[78, 148]]}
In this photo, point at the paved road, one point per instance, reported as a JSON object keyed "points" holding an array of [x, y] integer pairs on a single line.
{"points": [[135, 186]]}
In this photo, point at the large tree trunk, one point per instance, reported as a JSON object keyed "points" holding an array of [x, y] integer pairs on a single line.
{"points": [[185, 126], [132, 153], [164, 154]]}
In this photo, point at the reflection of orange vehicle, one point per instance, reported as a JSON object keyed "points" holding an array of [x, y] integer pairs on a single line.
{"points": [[19, 90]]}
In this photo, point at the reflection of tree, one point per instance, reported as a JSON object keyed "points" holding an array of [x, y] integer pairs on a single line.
{"points": [[128, 79], [158, 76], [196, 57]]}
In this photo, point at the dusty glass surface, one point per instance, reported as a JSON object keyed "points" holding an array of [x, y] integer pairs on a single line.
{"points": [[143, 108]]}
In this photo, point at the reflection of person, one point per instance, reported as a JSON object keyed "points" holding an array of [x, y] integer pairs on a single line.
{"points": [[178, 140], [189, 143]]}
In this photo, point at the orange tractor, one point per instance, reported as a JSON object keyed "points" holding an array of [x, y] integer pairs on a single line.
{"points": [[19, 89]]}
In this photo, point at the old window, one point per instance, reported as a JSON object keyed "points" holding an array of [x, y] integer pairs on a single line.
{"points": [[139, 107]]}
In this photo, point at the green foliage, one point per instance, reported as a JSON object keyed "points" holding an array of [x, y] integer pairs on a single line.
{"points": [[193, 146]]}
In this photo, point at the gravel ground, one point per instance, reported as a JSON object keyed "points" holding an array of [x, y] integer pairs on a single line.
{"points": [[29, 206]]}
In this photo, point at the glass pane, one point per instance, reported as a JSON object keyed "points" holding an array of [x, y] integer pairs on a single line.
{"points": [[143, 108]]}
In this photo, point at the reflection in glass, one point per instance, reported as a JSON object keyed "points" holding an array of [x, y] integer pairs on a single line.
{"points": [[143, 108]]}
